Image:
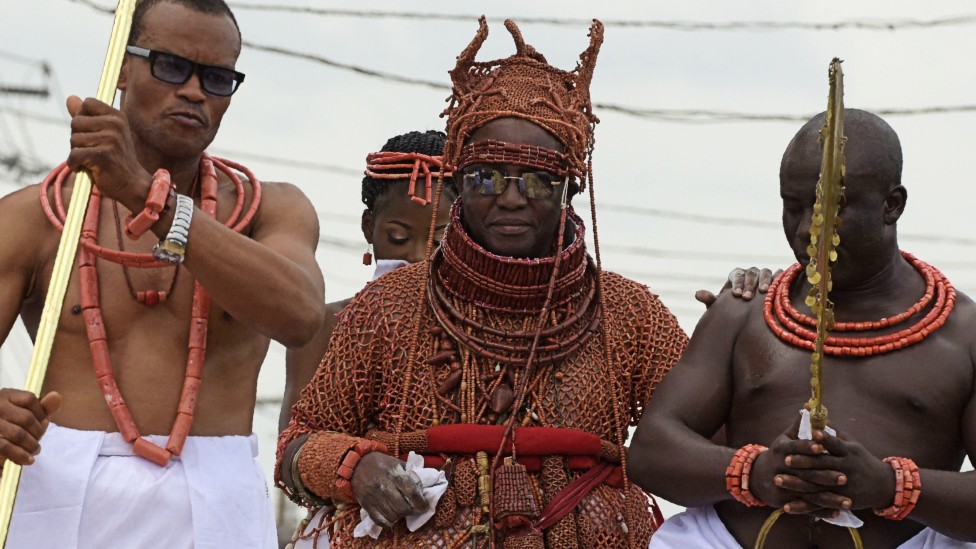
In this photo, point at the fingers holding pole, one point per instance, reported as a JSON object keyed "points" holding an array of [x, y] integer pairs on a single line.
{"points": [[64, 259]]}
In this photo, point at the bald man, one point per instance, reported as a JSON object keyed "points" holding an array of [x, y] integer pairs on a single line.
{"points": [[909, 396]]}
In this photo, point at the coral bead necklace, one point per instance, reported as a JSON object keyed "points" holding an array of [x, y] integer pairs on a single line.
{"points": [[788, 323], [91, 309]]}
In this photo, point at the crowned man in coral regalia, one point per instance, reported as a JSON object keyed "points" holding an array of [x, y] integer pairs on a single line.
{"points": [[483, 397]]}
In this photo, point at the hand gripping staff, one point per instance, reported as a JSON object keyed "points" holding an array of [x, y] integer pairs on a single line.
{"points": [[823, 251], [65, 257]]}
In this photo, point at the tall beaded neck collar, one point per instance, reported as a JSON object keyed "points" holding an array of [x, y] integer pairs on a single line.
{"points": [[472, 274]]}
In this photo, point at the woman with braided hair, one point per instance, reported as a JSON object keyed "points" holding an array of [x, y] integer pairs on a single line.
{"points": [[395, 225]]}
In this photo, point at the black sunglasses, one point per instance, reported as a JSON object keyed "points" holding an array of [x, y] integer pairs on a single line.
{"points": [[174, 69]]}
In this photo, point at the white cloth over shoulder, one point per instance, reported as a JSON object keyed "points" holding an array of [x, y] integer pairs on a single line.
{"points": [[700, 528], [87, 490]]}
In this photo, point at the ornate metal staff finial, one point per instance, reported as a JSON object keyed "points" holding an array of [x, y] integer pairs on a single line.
{"points": [[823, 252], [823, 235]]}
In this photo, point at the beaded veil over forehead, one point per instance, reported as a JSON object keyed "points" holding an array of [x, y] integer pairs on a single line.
{"points": [[525, 86]]}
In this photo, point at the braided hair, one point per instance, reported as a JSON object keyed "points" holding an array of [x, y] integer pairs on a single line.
{"points": [[430, 142]]}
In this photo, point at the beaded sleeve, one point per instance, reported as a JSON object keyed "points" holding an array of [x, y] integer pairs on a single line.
{"points": [[647, 334], [345, 391]]}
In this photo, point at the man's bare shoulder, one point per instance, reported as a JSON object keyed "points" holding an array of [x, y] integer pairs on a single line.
{"points": [[732, 317], [283, 203], [282, 195], [963, 317], [23, 223], [281, 190], [23, 201]]}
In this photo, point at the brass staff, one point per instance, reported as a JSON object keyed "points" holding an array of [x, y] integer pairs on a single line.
{"points": [[823, 252], [823, 235], [64, 260]]}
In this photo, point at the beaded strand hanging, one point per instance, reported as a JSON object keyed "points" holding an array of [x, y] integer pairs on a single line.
{"points": [[91, 308]]}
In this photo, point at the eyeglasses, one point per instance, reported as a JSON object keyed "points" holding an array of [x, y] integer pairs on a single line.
{"points": [[174, 69], [492, 182]]}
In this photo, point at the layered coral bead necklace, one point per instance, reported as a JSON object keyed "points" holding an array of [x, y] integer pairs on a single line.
{"points": [[90, 305], [467, 286], [789, 324]]}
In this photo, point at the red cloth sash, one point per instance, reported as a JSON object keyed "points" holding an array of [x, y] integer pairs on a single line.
{"points": [[533, 444], [466, 438]]}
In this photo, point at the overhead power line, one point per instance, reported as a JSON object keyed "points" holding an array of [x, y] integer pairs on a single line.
{"points": [[290, 162], [27, 90], [603, 206], [706, 116], [266, 158], [24, 90], [757, 223], [22, 167], [346, 66], [683, 116], [24, 60], [96, 6], [35, 116], [686, 216], [642, 251], [662, 115], [676, 25]]}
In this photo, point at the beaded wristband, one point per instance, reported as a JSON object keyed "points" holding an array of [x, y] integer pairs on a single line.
{"points": [[908, 487], [344, 473], [737, 475], [321, 457], [303, 496], [158, 193], [172, 249]]}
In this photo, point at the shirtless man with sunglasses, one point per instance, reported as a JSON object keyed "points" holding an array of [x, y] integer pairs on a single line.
{"points": [[173, 349]]}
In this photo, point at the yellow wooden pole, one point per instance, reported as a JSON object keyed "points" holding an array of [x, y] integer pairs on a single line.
{"points": [[64, 260]]}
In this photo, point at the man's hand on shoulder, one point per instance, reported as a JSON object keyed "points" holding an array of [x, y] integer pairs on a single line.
{"points": [[385, 490], [23, 420], [744, 283]]}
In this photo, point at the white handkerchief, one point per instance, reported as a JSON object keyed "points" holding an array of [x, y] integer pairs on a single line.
{"points": [[845, 518], [433, 484]]}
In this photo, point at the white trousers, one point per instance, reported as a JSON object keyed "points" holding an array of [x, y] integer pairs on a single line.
{"points": [[700, 528], [87, 490]]}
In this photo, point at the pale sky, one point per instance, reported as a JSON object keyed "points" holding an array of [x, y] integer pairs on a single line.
{"points": [[299, 110]]}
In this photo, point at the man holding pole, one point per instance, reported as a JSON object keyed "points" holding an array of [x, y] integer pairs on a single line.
{"points": [[186, 271], [898, 381]]}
